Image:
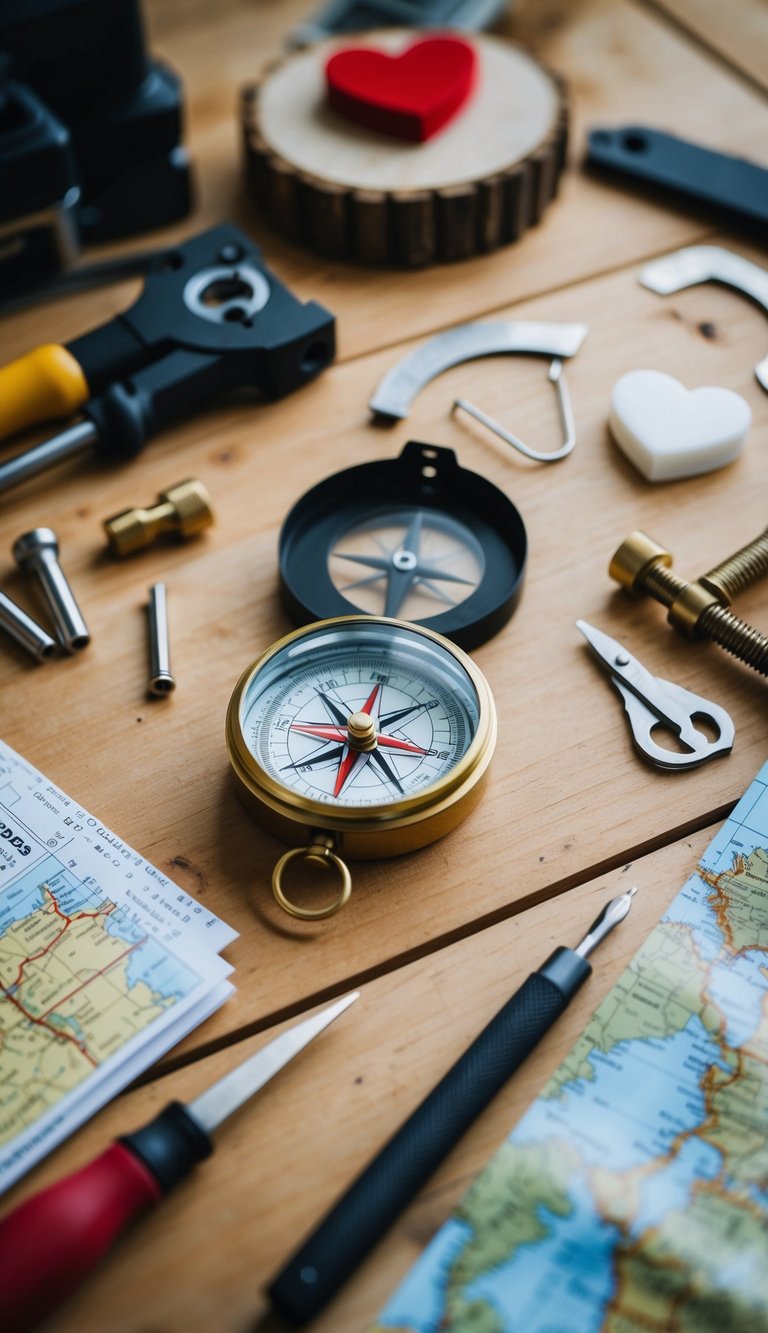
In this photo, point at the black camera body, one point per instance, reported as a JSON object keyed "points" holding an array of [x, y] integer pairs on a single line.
{"points": [[90, 132]]}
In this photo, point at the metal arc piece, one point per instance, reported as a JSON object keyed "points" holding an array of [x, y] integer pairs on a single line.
{"points": [[395, 393], [710, 263]]}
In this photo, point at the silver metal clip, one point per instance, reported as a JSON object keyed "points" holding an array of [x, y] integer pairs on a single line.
{"points": [[651, 702], [557, 377], [710, 263]]}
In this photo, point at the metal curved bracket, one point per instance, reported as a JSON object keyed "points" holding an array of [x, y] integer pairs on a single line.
{"points": [[396, 391], [555, 377], [710, 263]]}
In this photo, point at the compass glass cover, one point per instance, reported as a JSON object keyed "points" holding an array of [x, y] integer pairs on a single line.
{"points": [[422, 703], [411, 563]]}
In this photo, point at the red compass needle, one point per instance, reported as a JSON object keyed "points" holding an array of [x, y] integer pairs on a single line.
{"points": [[326, 731], [330, 731], [351, 757]]}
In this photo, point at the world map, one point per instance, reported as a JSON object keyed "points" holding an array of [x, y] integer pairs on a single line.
{"points": [[633, 1195]]}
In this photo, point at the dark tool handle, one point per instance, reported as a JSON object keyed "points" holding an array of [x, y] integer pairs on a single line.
{"points": [[732, 185], [390, 1181]]}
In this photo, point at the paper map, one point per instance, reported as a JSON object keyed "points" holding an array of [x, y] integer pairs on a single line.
{"points": [[633, 1195], [104, 964]]}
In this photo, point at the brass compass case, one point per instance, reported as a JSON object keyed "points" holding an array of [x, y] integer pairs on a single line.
{"points": [[366, 827]]}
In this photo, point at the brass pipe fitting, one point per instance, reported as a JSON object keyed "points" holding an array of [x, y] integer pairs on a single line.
{"points": [[640, 565], [184, 509]]}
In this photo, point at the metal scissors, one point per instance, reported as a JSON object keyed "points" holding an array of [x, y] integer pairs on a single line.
{"points": [[651, 702]]}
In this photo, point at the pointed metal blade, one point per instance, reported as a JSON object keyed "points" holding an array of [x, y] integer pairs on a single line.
{"points": [[610, 652], [229, 1093], [613, 912]]}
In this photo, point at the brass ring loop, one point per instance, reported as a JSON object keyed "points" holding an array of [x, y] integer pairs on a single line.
{"points": [[311, 853]]}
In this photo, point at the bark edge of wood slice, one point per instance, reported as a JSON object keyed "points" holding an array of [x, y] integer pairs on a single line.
{"points": [[315, 175]]}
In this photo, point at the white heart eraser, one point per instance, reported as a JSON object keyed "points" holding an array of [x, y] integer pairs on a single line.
{"points": [[669, 431]]}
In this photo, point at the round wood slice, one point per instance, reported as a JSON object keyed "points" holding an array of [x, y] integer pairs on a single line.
{"points": [[353, 193]]}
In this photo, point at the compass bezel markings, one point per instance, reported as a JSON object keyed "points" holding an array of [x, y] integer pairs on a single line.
{"points": [[277, 749]]}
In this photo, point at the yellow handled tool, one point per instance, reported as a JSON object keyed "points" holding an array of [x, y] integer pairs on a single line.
{"points": [[210, 319], [47, 382]]}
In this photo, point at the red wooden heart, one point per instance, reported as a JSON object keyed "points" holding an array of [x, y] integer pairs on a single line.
{"points": [[410, 96]]}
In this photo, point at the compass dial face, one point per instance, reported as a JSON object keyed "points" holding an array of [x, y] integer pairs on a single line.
{"points": [[411, 563], [422, 706]]}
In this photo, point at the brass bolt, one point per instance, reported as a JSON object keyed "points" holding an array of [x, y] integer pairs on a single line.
{"points": [[641, 565], [184, 509]]}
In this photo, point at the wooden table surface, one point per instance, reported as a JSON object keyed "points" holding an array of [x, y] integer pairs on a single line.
{"points": [[439, 939]]}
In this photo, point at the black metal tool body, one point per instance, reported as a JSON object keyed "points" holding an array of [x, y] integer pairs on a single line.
{"points": [[379, 1194], [121, 110], [736, 188], [210, 318]]}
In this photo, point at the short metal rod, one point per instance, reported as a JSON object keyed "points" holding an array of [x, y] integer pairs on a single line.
{"points": [[25, 630], [37, 552], [161, 680], [75, 440]]}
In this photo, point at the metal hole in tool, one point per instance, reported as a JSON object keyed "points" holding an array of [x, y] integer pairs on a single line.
{"points": [[161, 685], [226, 294], [314, 357], [226, 289]]}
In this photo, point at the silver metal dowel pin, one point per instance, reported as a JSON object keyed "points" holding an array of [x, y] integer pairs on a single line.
{"points": [[25, 630], [161, 680], [74, 440], [37, 552]]}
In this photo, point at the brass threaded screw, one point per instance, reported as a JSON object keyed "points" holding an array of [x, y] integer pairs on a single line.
{"points": [[739, 571], [641, 565]]}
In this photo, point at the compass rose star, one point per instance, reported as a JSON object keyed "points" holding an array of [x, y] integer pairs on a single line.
{"points": [[404, 570], [351, 760]]}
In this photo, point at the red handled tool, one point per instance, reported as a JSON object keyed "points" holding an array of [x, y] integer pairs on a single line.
{"points": [[53, 1240]]}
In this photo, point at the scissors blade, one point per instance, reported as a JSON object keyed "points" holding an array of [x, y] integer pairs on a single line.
{"points": [[620, 663]]}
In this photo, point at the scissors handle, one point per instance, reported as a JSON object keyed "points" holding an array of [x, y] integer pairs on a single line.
{"points": [[677, 710]]}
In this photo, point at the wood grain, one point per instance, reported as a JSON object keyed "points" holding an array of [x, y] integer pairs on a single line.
{"points": [[564, 756], [439, 938], [737, 33]]}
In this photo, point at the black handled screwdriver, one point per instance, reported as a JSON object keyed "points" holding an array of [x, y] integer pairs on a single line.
{"points": [[379, 1194]]}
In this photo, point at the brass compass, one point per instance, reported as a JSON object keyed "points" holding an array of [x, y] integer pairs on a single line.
{"points": [[362, 737]]}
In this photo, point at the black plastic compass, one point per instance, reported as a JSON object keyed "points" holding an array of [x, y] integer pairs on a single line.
{"points": [[416, 537]]}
